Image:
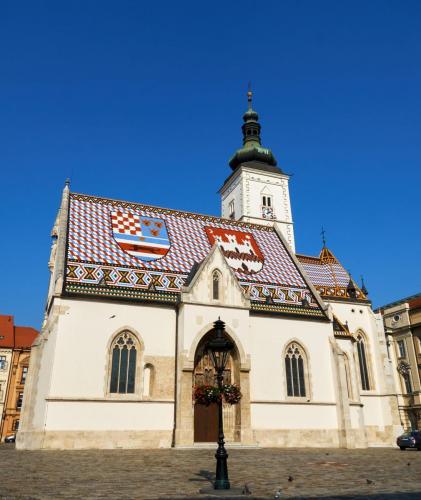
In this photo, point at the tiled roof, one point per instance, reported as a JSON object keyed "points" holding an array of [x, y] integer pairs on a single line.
{"points": [[329, 277], [113, 251], [15, 337]]}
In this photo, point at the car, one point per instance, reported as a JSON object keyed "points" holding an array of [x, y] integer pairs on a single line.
{"points": [[411, 439], [10, 439]]}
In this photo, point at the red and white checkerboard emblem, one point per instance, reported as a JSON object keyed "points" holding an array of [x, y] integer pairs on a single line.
{"points": [[143, 237], [126, 223]]}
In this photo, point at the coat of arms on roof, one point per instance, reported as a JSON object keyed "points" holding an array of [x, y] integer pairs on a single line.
{"points": [[239, 248], [145, 238]]}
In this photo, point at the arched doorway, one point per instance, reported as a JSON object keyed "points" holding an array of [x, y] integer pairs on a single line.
{"points": [[206, 417]]}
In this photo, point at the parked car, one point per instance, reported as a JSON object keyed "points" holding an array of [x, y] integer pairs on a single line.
{"points": [[10, 439], [410, 439]]}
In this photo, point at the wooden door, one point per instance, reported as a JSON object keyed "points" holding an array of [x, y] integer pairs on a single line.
{"points": [[206, 423], [206, 417]]}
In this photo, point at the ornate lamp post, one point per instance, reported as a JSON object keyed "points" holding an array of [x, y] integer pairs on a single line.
{"points": [[219, 348]]}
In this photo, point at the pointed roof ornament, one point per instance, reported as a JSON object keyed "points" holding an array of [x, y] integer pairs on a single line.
{"points": [[363, 288], [323, 235], [249, 96], [252, 150], [351, 288]]}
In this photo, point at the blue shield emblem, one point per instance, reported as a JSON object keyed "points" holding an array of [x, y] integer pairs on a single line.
{"points": [[145, 238]]}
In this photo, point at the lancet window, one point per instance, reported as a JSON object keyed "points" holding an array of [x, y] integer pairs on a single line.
{"points": [[295, 370], [363, 363], [216, 285], [124, 352]]}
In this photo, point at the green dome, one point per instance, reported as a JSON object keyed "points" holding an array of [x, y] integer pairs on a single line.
{"points": [[252, 150]]}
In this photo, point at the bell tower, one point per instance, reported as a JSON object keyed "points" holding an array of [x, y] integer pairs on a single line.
{"points": [[257, 189]]}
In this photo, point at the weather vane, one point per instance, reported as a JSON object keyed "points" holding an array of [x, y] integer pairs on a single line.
{"points": [[323, 234]]}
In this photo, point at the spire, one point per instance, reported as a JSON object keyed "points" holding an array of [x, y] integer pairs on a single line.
{"points": [[351, 288], [252, 150], [363, 288], [323, 235]]}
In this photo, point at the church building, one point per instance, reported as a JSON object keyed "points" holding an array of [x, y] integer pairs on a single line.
{"points": [[134, 293]]}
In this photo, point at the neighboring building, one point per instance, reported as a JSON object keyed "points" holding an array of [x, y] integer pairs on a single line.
{"points": [[134, 293], [15, 350], [402, 322]]}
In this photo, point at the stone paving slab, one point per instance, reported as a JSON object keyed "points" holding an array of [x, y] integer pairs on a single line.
{"points": [[376, 473]]}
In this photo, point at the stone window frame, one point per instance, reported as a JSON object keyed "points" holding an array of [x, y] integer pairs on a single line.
{"points": [[307, 371], [216, 272], [22, 365], [368, 359], [138, 388]]}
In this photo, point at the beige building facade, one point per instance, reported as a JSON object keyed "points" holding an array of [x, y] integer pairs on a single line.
{"points": [[15, 350], [402, 323]]}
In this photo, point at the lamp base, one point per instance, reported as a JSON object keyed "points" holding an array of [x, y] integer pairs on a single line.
{"points": [[227, 494]]}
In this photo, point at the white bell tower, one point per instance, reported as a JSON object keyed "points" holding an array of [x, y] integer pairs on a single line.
{"points": [[257, 190]]}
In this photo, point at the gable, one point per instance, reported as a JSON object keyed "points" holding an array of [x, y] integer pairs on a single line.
{"points": [[329, 277], [112, 252]]}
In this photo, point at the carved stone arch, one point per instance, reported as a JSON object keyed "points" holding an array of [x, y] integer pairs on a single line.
{"points": [[134, 334], [307, 368], [206, 418], [365, 370], [148, 380], [243, 359]]}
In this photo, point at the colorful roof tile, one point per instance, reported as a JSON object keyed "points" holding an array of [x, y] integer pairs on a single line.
{"points": [[15, 337], [130, 250], [329, 277]]}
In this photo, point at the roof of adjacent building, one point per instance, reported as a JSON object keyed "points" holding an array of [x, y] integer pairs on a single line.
{"points": [[135, 251], [329, 277], [15, 337], [413, 301]]}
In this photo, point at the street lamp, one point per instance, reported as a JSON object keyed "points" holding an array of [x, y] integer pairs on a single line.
{"points": [[219, 348]]}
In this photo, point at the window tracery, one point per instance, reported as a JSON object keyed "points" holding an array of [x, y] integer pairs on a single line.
{"points": [[124, 351], [295, 370]]}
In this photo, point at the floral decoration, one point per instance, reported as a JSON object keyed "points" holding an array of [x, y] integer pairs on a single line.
{"points": [[207, 394]]}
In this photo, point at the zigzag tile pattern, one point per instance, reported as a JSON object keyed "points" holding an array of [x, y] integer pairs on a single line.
{"points": [[94, 258]]}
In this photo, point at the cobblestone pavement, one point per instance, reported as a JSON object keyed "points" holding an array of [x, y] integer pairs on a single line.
{"points": [[180, 473]]}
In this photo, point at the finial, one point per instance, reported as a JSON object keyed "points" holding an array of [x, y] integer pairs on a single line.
{"points": [[323, 234], [67, 182], [363, 287], [249, 96]]}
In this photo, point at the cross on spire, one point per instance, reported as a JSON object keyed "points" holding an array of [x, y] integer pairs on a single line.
{"points": [[249, 96], [323, 234]]}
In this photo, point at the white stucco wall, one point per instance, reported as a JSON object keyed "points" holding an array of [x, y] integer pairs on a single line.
{"points": [[85, 331], [284, 416], [109, 416], [269, 337]]}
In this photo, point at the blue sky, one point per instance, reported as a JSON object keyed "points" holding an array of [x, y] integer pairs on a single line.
{"points": [[143, 101]]}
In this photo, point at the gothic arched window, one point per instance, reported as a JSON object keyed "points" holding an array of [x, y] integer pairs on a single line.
{"points": [[124, 351], [216, 284], [362, 361], [295, 370]]}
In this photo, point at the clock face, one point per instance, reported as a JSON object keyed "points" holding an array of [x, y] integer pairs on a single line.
{"points": [[267, 213]]}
